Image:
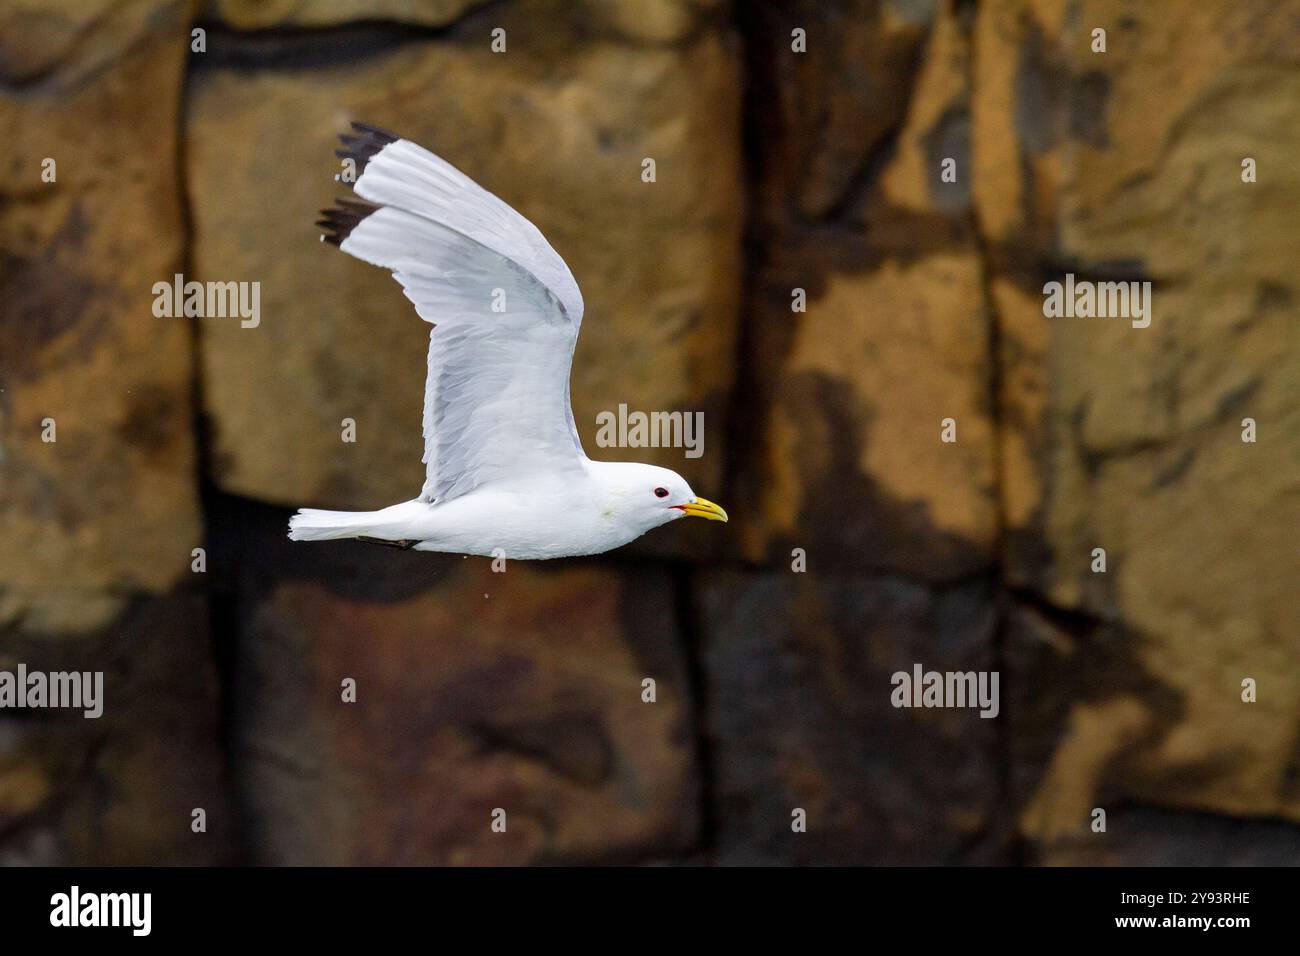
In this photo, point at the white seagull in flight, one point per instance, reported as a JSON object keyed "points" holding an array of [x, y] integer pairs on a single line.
{"points": [[505, 469]]}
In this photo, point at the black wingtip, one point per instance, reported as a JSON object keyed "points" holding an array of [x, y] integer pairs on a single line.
{"points": [[339, 220], [362, 147], [375, 131]]}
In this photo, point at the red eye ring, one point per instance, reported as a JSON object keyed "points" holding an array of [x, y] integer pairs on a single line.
{"points": [[661, 492]]}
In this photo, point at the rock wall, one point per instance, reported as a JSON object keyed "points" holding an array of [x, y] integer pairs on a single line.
{"points": [[801, 273]]}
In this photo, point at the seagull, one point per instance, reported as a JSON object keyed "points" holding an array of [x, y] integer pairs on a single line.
{"points": [[505, 473]]}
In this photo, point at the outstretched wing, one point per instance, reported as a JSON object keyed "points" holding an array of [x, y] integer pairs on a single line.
{"points": [[505, 307]]}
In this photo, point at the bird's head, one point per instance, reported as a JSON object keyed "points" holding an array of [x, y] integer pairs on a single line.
{"points": [[646, 496]]}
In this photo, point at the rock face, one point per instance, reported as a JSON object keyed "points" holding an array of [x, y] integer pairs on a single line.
{"points": [[1144, 837], [840, 261], [855, 469], [800, 718], [646, 21], [120, 789], [563, 140], [98, 478], [1119, 166], [98, 496], [867, 517], [894, 340], [262, 15], [520, 690]]}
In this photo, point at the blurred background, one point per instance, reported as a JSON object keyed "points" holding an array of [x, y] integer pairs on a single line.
{"points": [[209, 154]]}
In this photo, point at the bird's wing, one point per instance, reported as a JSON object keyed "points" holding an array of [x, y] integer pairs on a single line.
{"points": [[505, 306]]}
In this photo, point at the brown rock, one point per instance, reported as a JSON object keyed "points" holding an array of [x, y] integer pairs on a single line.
{"points": [[649, 21], [267, 14], [1104, 716], [519, 690], [799, 681], [110, 506], [850, 397], [1020, 103], [62, 44], [1129, 439], [1024, 385], [560, 139], [527, 22], [936, 127], [855, 471], [1125, 157], [119, 789], [828, 113], [1141, 836], [1155, 172]]}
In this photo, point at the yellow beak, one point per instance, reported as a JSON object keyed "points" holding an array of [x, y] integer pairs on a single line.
{"points": [[702, 508]]}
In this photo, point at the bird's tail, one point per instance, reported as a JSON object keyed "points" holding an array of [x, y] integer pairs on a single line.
{"points": [[395, 523], [311, 524]]}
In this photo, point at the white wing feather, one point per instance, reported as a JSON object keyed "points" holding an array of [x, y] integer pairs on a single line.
{"points": [[506, 308]]}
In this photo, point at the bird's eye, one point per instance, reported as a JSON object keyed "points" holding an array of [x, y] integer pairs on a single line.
{"points": [[661, 492]]}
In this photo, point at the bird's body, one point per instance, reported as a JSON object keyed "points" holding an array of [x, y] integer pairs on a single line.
{"points": [[523, 519], [506, 473]]}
